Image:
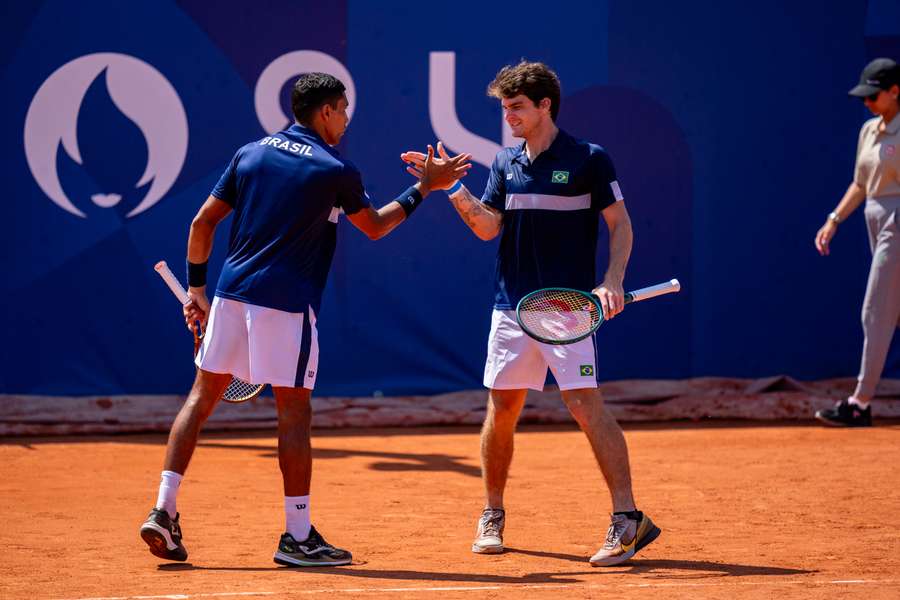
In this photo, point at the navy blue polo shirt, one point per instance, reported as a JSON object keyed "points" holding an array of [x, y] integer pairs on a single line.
{"points": [[287, 191], [551, 213]]}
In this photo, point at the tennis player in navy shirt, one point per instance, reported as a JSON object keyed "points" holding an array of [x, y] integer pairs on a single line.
{"points": [[286, 193], [545, 199]]}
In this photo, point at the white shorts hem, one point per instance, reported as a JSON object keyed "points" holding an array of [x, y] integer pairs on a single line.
{"points": [[292, 384], [578, 386], [512, 354], [199, 364], [514, 386], [260, 345]]}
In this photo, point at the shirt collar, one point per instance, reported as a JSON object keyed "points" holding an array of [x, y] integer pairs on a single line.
{"points": [[302, 130], [559, 142], [894, 126], [519, 154], [553, 151]]}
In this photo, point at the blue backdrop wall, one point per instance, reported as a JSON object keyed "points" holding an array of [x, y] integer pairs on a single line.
{"points": [[729, 126]]}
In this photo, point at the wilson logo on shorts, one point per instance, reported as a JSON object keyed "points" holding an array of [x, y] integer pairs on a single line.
{"points": [[586, 370], [560, 177]]}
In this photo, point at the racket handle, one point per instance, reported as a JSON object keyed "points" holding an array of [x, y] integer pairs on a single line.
{"points": [[163, 269], [669, 287]]}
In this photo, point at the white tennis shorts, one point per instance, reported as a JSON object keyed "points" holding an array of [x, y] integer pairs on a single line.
{"points": [[260, 345], [516, 361]]}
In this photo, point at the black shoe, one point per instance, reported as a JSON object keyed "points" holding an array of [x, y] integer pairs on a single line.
{"points": [[314, 551], [845, 414], [163, 534]]}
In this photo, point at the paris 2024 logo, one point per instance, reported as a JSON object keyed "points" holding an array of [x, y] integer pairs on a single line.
{"points": [[140, 93]]}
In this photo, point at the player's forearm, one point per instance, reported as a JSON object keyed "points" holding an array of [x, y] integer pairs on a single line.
{"points": [[200, 240], [483, 221], [386, 218], [389, 216], [203, 229], [851, 200], [620, 242]]}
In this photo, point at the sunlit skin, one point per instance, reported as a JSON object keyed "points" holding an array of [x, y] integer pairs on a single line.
{"points": [[525, 118], [334, 121]]}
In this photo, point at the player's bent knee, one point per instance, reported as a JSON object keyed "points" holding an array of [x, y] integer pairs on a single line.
{"points": [[506, 404], [201, 407], [583, 397], [583, 403], [293, 405]]}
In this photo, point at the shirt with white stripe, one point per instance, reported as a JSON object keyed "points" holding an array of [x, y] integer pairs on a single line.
{"points": [[287, 191], [551, 211]]}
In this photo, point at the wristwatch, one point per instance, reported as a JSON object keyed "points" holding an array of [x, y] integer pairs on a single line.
{"points": [[834, 218]]}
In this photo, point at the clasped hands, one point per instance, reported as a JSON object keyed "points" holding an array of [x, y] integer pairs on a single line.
{"points": [[437, 172]]}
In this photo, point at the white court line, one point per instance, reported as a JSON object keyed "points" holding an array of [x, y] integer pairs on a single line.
{"points": [[480, 588]]}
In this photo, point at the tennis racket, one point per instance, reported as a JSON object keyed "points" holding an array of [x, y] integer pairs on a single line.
{"points": [[238, 390], [564, 316]]}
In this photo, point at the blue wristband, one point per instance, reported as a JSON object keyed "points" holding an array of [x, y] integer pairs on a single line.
{"points": [[196, 274], [409, 200], [454, 188]]}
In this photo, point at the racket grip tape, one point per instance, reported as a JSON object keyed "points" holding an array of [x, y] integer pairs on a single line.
{"points": [[163, 269], [669, 287]]}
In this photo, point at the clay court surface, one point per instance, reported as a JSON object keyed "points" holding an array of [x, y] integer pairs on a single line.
{"points": [[747, 511]]}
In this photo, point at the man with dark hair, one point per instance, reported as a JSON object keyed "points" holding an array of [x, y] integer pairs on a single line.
{"points": [[287, 192], [545, 197], [313, 90]]}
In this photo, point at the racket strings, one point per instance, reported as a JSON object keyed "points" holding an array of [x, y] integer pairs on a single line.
{"points": [[239, 391], [558, 314]]}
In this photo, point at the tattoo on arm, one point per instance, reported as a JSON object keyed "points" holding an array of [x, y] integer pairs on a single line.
{"points": [[476, 215]]}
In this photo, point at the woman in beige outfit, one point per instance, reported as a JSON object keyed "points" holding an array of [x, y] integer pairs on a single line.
{"points": [[876, 180]]}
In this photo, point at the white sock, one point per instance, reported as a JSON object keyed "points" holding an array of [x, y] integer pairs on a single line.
{"points": [[168, 492], [857, 402], [296, 513]]}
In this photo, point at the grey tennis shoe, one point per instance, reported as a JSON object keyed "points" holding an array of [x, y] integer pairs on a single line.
{"points": [[489, 535], [624, 539]]}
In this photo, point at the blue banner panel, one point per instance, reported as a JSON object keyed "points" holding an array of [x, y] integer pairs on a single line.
{"points": [[729, 127]]}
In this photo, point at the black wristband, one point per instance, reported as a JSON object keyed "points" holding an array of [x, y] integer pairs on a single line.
{"points": [[409, 200], [196, 274]]}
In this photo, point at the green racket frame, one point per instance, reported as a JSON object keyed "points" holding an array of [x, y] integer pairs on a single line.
{"points": [[638, 295]]}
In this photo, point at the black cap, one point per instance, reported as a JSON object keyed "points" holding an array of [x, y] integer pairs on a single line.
{"points": [[880, 74]]}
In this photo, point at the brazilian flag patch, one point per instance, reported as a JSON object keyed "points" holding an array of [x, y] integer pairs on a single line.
{"points": [[586, 370], [560, 177]]}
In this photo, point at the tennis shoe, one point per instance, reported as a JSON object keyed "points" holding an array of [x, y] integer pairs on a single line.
{"points": [[624, 539], [314, 551], [489, 534], [844, 414], [163, 534]]}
